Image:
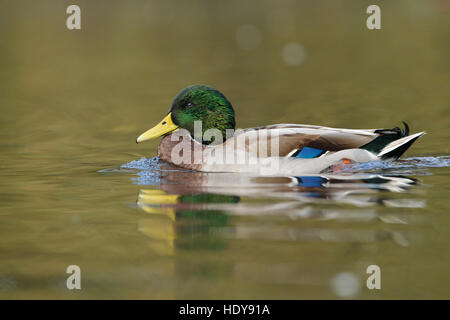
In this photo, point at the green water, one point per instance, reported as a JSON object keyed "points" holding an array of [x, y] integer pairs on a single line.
{"points": [[73, 102]]}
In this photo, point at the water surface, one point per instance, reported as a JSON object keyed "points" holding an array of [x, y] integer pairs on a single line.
{"points": [[76, 189]]}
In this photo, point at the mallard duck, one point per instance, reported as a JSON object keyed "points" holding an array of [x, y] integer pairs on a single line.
{"points": [[198, 134]]}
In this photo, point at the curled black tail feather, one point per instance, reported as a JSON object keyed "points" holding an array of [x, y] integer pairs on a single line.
{"points": [[395, 131], [406, 131], [385, 137]]}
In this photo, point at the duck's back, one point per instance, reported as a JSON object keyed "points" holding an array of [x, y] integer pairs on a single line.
{"points": [[291, 139]]}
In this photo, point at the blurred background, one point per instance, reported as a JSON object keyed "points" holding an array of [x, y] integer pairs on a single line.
{"points": [[73, 102]]}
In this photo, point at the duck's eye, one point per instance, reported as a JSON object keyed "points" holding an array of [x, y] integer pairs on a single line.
{"points": [[190, 104]]}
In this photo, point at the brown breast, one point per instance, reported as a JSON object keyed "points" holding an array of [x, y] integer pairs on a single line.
{"points": [[181, 150]]}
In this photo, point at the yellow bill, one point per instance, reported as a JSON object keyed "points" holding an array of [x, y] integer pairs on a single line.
{"points": [[157, 197], [157, 201], [165, 126]]}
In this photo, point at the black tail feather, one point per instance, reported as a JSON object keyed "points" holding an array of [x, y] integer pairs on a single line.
{"points": [[385, 137], [395, 131], [406, 131]]}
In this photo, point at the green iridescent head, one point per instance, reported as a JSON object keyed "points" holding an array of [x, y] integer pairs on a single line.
{"points": [[202, 103], [199, 103]]}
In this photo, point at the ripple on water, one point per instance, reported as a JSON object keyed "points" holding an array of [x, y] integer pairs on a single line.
{"points": [[142, 164], [148, 173], [409, 163], [148, 170], [404, 166]]}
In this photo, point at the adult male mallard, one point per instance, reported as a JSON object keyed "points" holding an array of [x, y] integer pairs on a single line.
{"points": [[209, 143]]}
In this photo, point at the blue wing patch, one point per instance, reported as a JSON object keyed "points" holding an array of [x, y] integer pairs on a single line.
{"points": [[308, 153], [311, 181]]}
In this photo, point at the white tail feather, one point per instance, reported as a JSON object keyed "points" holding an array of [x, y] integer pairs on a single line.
{"points": [[398, 143]]}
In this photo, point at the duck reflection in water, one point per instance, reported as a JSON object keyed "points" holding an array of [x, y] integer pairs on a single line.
{"points": [[198, 210]]}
